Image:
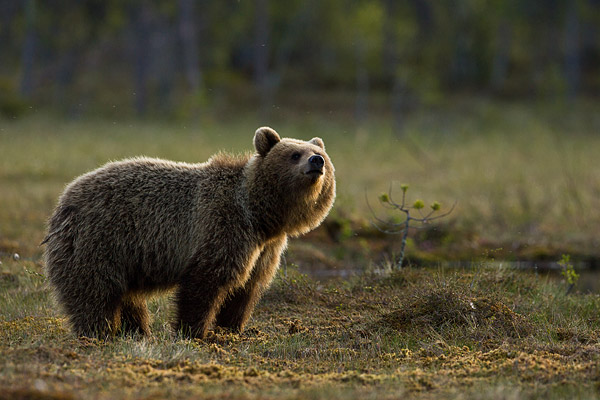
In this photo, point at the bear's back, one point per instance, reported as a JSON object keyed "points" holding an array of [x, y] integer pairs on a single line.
{"points": [[146, 215]]}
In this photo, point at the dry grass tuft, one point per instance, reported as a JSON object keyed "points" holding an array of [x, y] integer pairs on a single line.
{"points": [[447, 311]]}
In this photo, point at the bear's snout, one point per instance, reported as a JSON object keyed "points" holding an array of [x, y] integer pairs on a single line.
{"points": [[316, 163]]}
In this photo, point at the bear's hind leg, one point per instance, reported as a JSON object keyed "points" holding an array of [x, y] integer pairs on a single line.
{"points": [[134, 315], [91, 303], [94, 317]]}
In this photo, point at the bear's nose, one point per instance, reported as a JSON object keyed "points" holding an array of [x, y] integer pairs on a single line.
{"points": [[316, 161]]}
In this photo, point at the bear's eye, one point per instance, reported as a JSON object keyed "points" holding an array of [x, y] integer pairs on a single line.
{"points": [[296, 156]]}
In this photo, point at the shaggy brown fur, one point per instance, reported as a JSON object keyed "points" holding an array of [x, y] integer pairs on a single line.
{"points": [[215, 231]]}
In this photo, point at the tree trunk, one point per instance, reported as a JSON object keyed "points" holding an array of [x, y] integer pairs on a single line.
{"points": [[461, 70], [391, 62], [261, 52], [28, 52], [188, 34], [163, 56], [572, 50], [142, 31], [389, 45], [501, 56], [424, 16], [64, 78]]}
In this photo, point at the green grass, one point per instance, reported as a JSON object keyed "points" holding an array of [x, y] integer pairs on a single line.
{"points": [[452, 333]]}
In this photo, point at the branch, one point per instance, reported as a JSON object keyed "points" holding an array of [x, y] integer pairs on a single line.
{"points": [[444, 214], [398, 206], [387, 231], [382, 221]]}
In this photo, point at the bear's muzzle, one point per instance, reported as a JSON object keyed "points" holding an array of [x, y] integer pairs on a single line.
{"points": [[315, 165]]}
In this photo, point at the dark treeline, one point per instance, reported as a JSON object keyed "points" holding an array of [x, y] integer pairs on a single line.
{"points": [[181, 57]]}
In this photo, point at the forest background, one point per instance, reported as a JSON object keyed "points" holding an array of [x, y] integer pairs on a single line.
{"points": [[186, 58]]}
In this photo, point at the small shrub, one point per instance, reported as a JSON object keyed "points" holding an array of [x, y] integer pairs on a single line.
{"points": [[403, 227], [450, 311], [568, 271]]}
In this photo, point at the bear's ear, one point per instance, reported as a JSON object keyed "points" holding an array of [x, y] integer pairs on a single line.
{"points": [[264, 139], [317, 141]]}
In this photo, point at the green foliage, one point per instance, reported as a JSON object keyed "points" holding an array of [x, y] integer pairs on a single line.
{"points": [[568, 271], [418, 204]]}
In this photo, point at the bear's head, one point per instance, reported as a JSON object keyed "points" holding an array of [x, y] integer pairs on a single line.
{"points": [[292, 182]]}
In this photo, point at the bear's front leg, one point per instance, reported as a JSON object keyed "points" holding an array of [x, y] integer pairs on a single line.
{"points": [[197, 304], [238, 306], [207, 281]]}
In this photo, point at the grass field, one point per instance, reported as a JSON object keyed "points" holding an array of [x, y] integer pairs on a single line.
{"points": [[524, 176], [527, 186], [476, 333]]}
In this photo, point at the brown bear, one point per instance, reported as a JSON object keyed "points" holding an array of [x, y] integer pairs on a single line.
{"points": [[215, 231]]}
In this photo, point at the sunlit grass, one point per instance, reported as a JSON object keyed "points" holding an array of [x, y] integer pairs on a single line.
{"points": [[521, 173]]}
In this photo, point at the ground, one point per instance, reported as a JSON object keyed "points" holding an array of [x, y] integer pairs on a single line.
{"points": [[455, 333]]}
